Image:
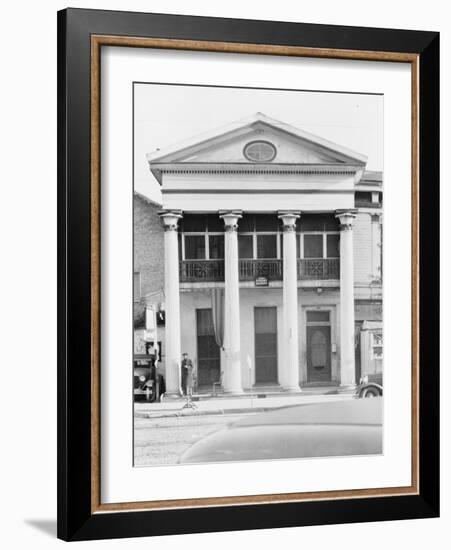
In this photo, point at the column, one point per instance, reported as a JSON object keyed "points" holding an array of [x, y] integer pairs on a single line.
{"points": [[364, 350], [376, 246], [232, 368], [290, 369], [347, 337], [172, 302]]}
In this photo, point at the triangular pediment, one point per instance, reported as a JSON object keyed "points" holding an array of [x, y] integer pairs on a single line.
{"points": [[256, 140]]}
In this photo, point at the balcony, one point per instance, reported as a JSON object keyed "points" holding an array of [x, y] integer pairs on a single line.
{"points": [[251, 269], [203, 271], [319, 269]]}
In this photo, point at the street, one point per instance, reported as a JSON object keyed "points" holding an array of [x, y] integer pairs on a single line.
{"points": [[162, 440], [163, 431]]}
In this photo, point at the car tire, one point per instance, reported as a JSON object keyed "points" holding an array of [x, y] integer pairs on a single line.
{"points": [[370, 392]]}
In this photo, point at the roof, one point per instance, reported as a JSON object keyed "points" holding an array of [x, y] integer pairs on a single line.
{"points": [[147, 200], [371, 177], [190, 151]]}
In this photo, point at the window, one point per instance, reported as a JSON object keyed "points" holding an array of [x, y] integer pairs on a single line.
{"points": [[266, 246], [215, 224], [377, 345], [245, 247], [267, 222], [246, 224], [216, 247], [318, 223], [201, 237], [194, 247], [260, 151], [320, 245], [136, 286], [258, 236], [193, 223], [333, 246], [363, 197], [313, 246], [317, 317]]}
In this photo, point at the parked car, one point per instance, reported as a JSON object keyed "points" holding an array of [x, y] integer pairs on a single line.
{"points": [[370, 386], [146, 382], [337, 428]]}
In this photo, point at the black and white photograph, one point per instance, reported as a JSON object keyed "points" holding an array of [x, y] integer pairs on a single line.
{"points": [[257, 274], [225, 291]]}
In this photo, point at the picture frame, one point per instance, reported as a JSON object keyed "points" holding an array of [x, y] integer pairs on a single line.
{"points": [[81, 36]]}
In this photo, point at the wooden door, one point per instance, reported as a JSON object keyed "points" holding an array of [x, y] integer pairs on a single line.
{"points": [[318, 354]]}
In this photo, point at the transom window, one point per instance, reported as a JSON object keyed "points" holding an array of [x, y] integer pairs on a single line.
{"points": [[318, 316]]}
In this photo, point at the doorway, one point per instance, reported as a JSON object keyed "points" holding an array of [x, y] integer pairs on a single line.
{"points": [[208, 353], [318, 347], [265, 319]]}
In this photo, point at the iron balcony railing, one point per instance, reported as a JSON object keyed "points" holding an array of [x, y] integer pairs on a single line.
{"points": [[252, 269], [319, 269], [197, 271]]}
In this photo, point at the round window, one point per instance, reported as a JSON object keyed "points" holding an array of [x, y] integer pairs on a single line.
{"points": [[260, 151]]}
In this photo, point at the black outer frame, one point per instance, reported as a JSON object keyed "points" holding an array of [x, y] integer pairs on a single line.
{"points": [[75, 520]]}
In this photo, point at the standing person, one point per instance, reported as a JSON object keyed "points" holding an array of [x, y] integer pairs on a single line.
{"points": [[187, 375]]}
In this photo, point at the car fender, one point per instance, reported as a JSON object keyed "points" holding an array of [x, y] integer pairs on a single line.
{"points": [[371, 385]]}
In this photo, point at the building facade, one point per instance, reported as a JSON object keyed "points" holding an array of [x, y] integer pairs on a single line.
{"points": [[272, 259], [148, 273]]}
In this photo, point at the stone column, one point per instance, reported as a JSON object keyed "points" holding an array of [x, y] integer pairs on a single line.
{"points": [[290, 369], [347, 336], [172, 302], [232, 369]]}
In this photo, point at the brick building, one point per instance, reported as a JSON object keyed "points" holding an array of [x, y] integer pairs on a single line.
{"points": [[272, 258], [148, 270]]}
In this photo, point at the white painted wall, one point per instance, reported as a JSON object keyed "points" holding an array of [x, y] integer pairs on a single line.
{"points": [[222, 191], [257, 181], [212, 202], [263, 297]]}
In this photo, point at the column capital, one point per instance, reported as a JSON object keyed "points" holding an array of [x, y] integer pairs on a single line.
{"points": [[289, 218], [346, 218], [376, 217], [230, 218], [170, 219]]}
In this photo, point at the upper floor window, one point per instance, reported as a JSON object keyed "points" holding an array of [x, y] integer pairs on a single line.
{"points": [[203, 247], [202, 237], [260, 236], [195, 247], [320, 245]]}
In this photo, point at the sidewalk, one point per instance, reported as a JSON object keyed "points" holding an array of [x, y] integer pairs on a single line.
{"points": [[232, 405]]}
